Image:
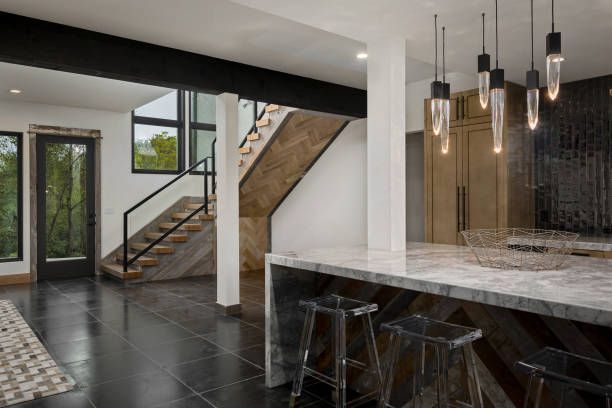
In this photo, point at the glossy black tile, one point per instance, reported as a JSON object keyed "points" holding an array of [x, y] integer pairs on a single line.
{"points": [[213, 324], [139, 391], [183, 314], [74, 332], [182, 351], [86, 349], [255, 355], [136, 320], [110, 367], [194, 401], [214, 372], [45, 324], [241, 338], [72, 399], [149, 336]]}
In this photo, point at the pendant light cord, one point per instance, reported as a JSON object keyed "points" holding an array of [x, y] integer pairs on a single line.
{"points": [[552, 11], [443, 58], [436, 37], [483, 33], [532, 35], [496, 41]]}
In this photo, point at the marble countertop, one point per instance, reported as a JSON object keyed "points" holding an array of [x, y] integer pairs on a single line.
{"points": [[581, 290], [593, 243]]}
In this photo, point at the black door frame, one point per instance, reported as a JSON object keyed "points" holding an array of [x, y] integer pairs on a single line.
{"points": [[69, 268]]}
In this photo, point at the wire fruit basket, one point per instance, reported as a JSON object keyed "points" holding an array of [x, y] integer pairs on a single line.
{"points": [[520, 248]]}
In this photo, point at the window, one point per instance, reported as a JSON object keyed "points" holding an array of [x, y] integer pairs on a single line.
{"points": [[158, 133], [11, 211], [202, 127], [248, 111]]}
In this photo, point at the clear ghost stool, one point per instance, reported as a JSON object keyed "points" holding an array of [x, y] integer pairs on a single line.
{"points": [[441, 338], [566, 375], [340, 309]]}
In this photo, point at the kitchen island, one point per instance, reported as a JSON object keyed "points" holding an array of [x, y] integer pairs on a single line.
{"points": [[519, 311]]}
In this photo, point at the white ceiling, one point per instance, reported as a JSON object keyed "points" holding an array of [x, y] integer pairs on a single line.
{"points": [[585, 25], [80, 91]]}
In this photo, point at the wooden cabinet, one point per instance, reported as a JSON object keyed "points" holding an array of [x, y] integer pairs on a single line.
{"points": [[471, 187]]}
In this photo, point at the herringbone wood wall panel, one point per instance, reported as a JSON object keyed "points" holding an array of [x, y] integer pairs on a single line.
{"points": [[253, 243]]}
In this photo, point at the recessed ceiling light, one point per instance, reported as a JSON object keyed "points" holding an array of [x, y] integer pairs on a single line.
{"points": [[15, 91], [362, 55]]}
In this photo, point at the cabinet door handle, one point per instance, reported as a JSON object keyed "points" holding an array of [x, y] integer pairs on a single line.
{"points": [[463, 195], [458, 209]]}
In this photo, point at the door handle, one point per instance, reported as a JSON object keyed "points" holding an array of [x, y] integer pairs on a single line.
{"points": [[92, 220]]}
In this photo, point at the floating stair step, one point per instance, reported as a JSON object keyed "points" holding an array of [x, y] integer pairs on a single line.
{"points": [[212, 197], [240, 163], [245, 150], [253, 136], [272, 108], [185, 227], [152, 236], [207, 217], [116, 270], [142, 261], [157, 249], [262, 122]]}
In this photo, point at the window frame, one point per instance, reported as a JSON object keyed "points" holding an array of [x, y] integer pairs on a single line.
{"points": [[19, 137], [179, 124], [193, 125]]}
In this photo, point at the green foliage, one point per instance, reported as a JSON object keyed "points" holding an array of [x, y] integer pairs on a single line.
{"points": [[9, 199], [157, 153]]}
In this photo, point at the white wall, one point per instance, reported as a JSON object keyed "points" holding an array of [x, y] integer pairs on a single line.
{"points": [[120, 189], [328, 207]]}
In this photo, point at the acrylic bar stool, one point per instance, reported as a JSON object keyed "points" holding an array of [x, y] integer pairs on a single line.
{"points": [[340, 309], [443, 338], [565, 371]]}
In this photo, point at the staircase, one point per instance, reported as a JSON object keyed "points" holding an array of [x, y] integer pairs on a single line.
{"points": [[276, 153], [187, 251]]}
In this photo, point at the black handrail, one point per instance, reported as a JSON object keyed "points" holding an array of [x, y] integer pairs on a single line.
{"points": [[253, 128], [125, 261]]}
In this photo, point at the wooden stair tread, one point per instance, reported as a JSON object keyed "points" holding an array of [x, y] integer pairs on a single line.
{"points": [[240, 163], [245, 149], [157, 249], [170, 238], [185, 227], [195, 206], [253, 136], [272, 108], [142, 261], [183, 215], [212, 197], [116, 270], [262, 122]]}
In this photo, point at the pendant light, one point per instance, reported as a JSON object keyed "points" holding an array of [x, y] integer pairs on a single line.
{"points": [[553, 58], [498, 96], [484, 68], [445, 102], [436, 90], [533, 87]]}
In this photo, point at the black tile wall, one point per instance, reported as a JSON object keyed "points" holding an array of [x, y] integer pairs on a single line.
{"points": [[573, 158]]}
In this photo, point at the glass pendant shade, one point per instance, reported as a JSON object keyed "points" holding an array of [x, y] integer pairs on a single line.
{"points": [[445, 127], [553, 74], [436, 115], [533, 100], [498, 96], [483, 88]]}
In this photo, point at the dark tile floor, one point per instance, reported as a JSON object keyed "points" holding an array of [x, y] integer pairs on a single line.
{"points": [[156, 344]]}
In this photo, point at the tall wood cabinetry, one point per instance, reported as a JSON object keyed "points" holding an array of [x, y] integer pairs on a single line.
{"points": [[471, 186]]}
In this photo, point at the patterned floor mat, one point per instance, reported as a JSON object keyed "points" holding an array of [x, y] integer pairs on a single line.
{"points": [[27, 371]]}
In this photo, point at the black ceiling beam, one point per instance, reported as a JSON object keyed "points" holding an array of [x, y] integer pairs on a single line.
{"points": [[39, 43]]}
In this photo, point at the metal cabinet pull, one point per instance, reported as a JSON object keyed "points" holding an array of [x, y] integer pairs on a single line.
{"points": [[458, 209], [463, 195]]}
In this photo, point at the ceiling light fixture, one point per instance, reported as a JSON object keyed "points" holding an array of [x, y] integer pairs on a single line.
{"points": [[484, 69], [445, 102], [15, 91], [498, 95], [436, 90], [553, 58], [362, 55], [533, 86]]}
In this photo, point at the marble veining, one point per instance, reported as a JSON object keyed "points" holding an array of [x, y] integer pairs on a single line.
{"points": [[581, 290]]}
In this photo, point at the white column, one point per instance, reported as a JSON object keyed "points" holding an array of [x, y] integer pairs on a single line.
{"points": [[228, 252], [387, 144]]}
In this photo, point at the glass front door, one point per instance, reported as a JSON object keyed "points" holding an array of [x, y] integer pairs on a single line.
{"points": [[66, 215]]}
